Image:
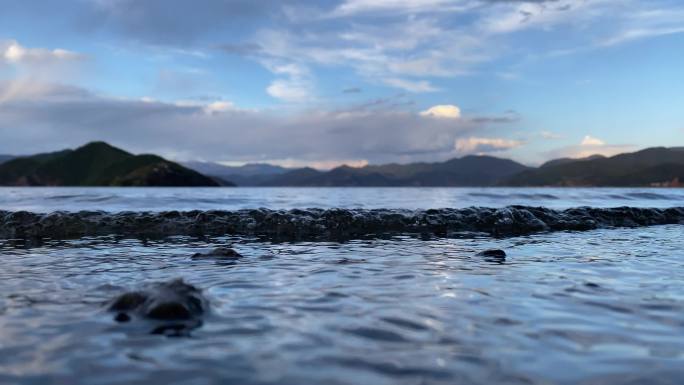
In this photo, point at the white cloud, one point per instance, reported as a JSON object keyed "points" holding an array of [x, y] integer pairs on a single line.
{"points": [[591, 141], [351, 7], [380, 133], [426, 49], [14, 53], [289, 90], [208, 108], [476, 145], [550, 135], [641, 33], [442, 111], [512, 16], [416, 86], [587, 147], [296, 87], [218, 107]]}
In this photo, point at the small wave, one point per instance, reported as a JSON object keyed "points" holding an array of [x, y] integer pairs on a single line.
{"points": [[512, 195], [330, 223], [106, 198], [649, 196], [66, 197], [535, 196]]}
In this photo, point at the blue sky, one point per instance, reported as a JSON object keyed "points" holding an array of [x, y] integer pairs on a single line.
{"points": [[348, 81]]}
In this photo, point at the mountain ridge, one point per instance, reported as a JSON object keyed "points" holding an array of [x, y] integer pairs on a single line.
{"points": [[471, 170], [98, 164], [654, 166], [5, 158]]}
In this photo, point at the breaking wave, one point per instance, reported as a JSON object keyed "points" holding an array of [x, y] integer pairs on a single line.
{"points": [[331, 223]]}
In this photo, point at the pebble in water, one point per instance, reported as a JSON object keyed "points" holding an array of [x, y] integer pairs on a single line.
{"points": [[496, 256], [492, 253], [176, 304], [218, 253]]}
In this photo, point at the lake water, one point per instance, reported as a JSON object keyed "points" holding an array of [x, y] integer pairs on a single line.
{"points": [[596, 307], [160, 199]]}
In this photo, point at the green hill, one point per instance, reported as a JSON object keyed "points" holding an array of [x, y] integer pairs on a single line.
{"points": [[652, 166], [5, 158], [98, 164]]}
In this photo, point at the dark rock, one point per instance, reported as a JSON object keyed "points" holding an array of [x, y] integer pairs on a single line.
{"points": [[332, 224], [349, 261], [492, 253], [181, 304], [128, 302], [218, 253]]}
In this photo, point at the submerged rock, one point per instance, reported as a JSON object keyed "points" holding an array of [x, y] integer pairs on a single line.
{"points": [[492, 253], [496, 256], [218, 253], [175, 305], [330, 224], [349, 261]]}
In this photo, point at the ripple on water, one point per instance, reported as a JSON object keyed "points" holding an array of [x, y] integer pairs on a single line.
{"points": [[593, 307]]}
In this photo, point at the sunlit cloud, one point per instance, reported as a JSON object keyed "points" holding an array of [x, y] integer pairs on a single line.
{"points": [[550, 135], [417, 86], [14, 53], [484, 145], [442, 111], [591, 141], [590, 146]]}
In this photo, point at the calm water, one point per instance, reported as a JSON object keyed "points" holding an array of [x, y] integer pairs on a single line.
{"points": [[159, 199], [597, 307], [601, 307]]}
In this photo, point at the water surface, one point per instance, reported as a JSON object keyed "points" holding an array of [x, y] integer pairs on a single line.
{"points": [[47, 199], [598, 307]]}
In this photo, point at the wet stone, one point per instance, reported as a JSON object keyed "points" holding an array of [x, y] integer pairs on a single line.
{"points": [[218, 253], [122, 317], [492, 253], [128, 302], [175, 301], [349, 261]]}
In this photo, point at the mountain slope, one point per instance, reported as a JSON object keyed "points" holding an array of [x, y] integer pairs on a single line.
{"points": [[466, 171], [98, 164], [252, 174], [5, 158], [559, 161], [642, 168]]}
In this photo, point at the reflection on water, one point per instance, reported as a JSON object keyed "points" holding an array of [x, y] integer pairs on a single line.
{"points": [[599, 307], [161, 199]]}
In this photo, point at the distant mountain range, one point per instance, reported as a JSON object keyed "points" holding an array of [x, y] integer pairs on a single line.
{"points": [[557, 162], [650, 167], [658, 166], [252, 174], [466, 171], [98, 164]]}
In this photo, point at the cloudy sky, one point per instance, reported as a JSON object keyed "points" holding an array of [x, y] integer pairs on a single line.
{"points": [[348, 81]]}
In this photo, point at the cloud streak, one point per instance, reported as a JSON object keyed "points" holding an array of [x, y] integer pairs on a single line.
{"points": [[11, 52], [473, 145], [63, 116]]}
